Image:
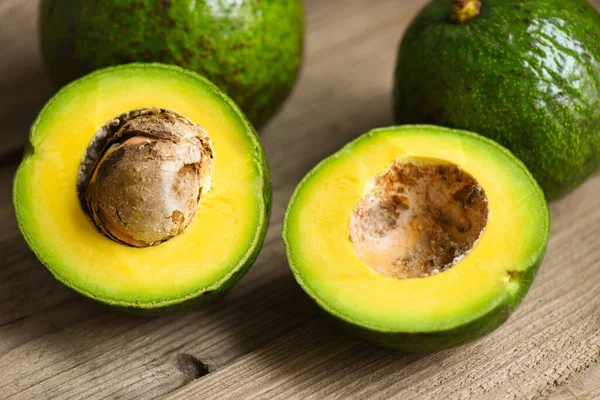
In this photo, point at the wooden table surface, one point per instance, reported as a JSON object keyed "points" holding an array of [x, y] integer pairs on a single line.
{"points": [[265, 339]]}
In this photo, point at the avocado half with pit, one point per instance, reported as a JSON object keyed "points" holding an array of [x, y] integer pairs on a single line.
{"points": [[418, 237], [144, 187], [524, 73]]}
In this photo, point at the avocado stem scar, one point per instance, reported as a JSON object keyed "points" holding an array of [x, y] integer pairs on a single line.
{"points": [[464, 10]]}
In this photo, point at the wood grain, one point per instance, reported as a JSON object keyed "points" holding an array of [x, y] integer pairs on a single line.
{"points": [[265, 339]]}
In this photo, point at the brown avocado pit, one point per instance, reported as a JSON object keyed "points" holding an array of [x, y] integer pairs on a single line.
{"points": [[419, 219], [142, 176]]}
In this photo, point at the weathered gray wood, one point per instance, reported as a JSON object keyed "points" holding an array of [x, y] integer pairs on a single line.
{"points": [[586, 387], [265, 339]]}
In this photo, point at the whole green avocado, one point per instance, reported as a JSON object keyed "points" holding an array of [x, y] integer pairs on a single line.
{"points": [[525, 73], [250, 49]]}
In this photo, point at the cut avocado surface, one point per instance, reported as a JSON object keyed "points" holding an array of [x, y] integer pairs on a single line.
{"points": [[524, 73], [418, 237], [83, 202], [250, 49]]}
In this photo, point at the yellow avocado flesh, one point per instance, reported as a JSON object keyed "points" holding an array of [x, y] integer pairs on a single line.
{"points": [[322, 257], [229, 223]]}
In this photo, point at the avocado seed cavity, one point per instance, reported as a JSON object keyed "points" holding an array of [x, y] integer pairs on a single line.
{"points": [[421, 217], [142, 176]]}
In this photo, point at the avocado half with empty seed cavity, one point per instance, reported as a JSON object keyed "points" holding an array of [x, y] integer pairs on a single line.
{"points": [[143, 187], [418, 237]]}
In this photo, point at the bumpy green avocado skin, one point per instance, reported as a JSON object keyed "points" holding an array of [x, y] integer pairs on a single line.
{"points": [[250, 49], [525, 73]]}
